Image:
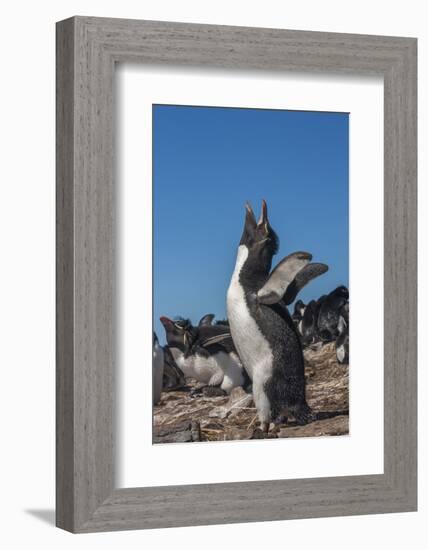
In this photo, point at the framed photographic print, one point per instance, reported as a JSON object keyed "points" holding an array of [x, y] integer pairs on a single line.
{"points": [[236, 274]]}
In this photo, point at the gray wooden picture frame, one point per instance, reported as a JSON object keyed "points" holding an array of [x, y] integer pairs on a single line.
{"points": [[87, 50]]}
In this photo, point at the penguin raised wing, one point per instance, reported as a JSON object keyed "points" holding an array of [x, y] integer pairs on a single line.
{"points": [[283, 275], [303, 277]]}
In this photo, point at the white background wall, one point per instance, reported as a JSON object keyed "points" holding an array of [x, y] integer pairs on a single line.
{"points": [[27, 270]]}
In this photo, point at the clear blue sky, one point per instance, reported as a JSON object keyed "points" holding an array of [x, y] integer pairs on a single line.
{"points": [[207, 162]]}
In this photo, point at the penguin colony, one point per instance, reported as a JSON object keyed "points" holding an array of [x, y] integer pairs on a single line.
{"points": [[325, 320], [259, 346]]}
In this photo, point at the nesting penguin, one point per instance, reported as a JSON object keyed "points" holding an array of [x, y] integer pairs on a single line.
{"points": [[329, 313], [342, 341], [205, 353], [262, 329], [299, 310], [173, 376], [158, 368], [308, 325]]}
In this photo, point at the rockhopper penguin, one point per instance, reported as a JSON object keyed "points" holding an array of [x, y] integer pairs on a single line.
{"points": [[173, 376], [262, 329], [158, 368], [329, 313], [342, 341], [205, 353]]}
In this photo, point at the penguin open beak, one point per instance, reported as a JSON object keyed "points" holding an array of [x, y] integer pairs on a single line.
{"points": [[248, 208], [263, 215], [263, 220], [250, 218], [256, 232]]}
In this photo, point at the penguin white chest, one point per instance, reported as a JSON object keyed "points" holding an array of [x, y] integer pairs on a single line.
{"points": [[340, 353], [200, 368], [252, 346]]}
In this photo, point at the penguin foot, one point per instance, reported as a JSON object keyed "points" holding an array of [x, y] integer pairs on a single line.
{"points": [[257, 434], [261, 432], [281, 419], [275, 428], [264, 426]]}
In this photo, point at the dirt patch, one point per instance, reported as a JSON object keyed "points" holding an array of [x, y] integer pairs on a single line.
{"points": [[181, 417]]}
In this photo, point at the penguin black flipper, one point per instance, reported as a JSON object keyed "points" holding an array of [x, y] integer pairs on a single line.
{"points": [[303, 277], [209, 335], [206, 320], [215, 340], [282, 276]]}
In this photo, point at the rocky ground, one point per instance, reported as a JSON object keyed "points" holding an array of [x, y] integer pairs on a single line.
{"points": [[180, 417]]}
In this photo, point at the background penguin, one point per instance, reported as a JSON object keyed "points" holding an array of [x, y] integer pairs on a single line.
{"points": [[205, 353], [309, 329], [342, 341], [261, 326], [158, 365], [329, 313], [308, 324], [173, 376], [299, 310]]}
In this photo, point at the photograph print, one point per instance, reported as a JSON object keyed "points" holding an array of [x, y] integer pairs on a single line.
{"points": [[250, 274]]}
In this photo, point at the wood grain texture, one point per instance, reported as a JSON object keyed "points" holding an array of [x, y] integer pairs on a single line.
{"points": [[64, 277], [87, 49]]}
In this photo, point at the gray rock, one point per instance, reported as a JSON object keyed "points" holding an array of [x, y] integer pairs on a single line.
{"points": [[182, 432]]}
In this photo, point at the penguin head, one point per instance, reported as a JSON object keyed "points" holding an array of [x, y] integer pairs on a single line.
{"points": [[259, 238], [206, 320], [342, 292], [299, 308], [179, 333]]}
